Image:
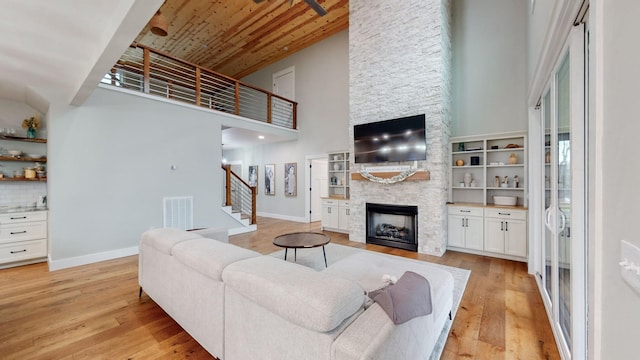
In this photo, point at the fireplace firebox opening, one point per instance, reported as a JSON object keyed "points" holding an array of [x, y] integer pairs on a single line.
{"points": [[393, 225]]}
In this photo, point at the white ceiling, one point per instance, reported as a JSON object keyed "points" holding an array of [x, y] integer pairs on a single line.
{"points": [[60, 49]]}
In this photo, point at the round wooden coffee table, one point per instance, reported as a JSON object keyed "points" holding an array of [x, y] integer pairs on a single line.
{"points": [[302, 240]]}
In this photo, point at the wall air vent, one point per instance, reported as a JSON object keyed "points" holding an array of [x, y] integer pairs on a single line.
{"points": [[178, 212]]}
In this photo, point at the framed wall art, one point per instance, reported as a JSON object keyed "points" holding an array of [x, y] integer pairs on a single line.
{"points": [[253, 175], [270, 179], [290, 183]]}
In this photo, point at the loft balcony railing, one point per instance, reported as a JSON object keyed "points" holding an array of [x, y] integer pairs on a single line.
{"points": [[153, 72]]}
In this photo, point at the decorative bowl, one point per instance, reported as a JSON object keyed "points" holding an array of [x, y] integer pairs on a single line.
{"points": [[15, 152], [505, 200]]}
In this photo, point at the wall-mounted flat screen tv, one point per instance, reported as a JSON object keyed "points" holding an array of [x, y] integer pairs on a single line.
{"points": [[395, 140]]}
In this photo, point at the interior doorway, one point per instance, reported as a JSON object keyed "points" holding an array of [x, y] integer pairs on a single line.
{"points": [[317, 185], [284, 83]]}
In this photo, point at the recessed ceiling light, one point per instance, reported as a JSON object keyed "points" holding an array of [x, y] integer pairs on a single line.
{"points": [[260, 137]]}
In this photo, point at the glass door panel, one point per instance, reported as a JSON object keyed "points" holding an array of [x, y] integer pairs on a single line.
{"points": [[563, 218], [548, 233]]}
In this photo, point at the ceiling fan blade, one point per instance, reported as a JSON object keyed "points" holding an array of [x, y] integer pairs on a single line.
{"points": [[315, 6]]}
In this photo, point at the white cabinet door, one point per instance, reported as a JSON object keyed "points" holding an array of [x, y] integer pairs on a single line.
{"points": [[515, 241], [494, 235], [456, 230], [343, 218], [474, 233], [330, 216]]}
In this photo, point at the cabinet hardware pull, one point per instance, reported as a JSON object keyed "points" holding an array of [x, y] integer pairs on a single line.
{"points": [[19, 251], [506, 226], [508, 214], [465, 211], [501, 225], [18, 232], [462, 222], [18, 217], [467, 222]]}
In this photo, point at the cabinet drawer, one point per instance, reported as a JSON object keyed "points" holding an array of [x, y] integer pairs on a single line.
{"points": [[15, 218], [23, 231], [23, 250], [330, 202], [506, 214], [344, 204], [466, 211]]}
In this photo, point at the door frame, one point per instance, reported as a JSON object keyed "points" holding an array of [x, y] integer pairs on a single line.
{"points": [[308, 159], [574, 48]]}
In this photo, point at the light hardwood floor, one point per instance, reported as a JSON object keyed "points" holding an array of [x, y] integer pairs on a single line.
{"points": [[93, 311]]}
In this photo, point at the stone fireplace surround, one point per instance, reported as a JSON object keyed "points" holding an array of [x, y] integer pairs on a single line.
{"points": [[400, 65]]}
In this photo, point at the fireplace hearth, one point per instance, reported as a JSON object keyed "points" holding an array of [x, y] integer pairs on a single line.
{"points": [[392, 225]]}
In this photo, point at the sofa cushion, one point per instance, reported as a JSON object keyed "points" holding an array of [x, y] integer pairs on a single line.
{"points": [[314, 300], [208, 256], [408, 298], [164, 239]]}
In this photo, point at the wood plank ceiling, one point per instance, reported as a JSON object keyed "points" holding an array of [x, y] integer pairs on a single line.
{"points": [[239, 37]]}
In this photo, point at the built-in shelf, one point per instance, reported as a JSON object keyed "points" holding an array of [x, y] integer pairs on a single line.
{"points": [[21, 158], [494, 156], [22, 179], [24, 139]]}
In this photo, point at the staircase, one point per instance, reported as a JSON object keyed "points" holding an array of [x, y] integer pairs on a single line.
{"points": [[244, 222], [240, 202]]}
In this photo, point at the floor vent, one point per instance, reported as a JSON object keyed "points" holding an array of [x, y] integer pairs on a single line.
{"points": [[178, 212]]}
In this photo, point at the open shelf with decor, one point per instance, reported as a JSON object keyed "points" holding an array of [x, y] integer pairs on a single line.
{"points": [[338, 174], [486, 166], [16, 152]]}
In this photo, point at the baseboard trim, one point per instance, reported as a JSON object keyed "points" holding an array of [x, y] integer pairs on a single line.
{"points": [[90, 258], [283, 217]]}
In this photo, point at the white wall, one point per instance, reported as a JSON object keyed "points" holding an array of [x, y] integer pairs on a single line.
{"points": [[615, 35], [110, 164], [322, 93], [538, 21], [489, 66]]}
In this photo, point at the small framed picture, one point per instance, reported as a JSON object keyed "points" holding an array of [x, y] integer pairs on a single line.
{"points": [[253, 175], [290, 183], [270, 179]]}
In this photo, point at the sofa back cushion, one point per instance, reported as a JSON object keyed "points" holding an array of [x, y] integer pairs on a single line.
{"points": [[314, 300], [209, 257], [164, 239]]}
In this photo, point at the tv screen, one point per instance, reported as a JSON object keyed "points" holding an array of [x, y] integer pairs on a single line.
{"points": [[400, 139]]}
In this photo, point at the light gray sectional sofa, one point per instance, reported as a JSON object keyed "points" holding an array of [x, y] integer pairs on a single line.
{"points": [[241, 305]]}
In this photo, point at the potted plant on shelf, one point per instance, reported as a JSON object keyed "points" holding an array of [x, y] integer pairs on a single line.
{"points": [[31, 124]]}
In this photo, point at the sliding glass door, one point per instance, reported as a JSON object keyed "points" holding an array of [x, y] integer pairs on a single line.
{"points": [[563, 249]]}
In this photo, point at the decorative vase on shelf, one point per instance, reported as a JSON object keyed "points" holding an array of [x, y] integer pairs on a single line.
{"points": [[336, 167], [513, 159], [31, 133]]}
